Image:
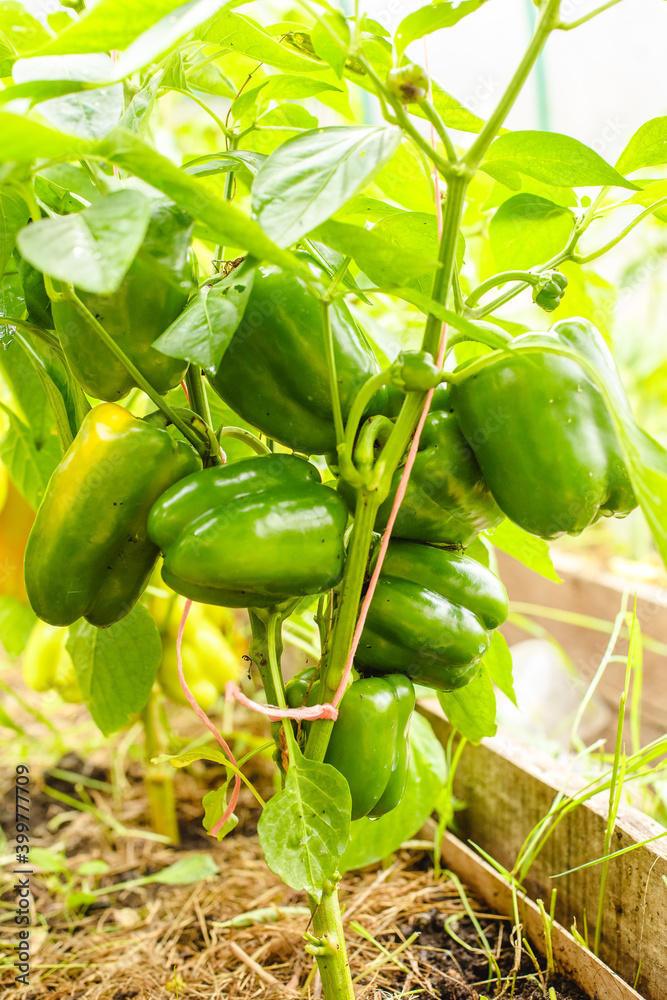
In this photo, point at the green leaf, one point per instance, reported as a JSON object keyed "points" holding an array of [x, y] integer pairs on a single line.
{"points": [[453, 113], [405, 181], [30, 460], [186, 871], [222, 163], [323, 36], [25, 140], [646, 148], [472, 709], [372, 840], [549, 157], [19, 32], [498, 661], [243, 35], [649, 195], [528, 230], [305, 827], [281, 87], [14, 215], [435, 16], [411, 233], [377, 257], [203, 331], [143, 48], [530, 550], [138, 112], [92, 249], [90, 114], [225, 223], [16, 622], [307, 179], [110, 24], [116, 666], [204, 752], [215, 804]]}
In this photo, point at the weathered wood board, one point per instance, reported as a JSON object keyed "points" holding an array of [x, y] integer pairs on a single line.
{"points": [[508, 787], [587, 971]]}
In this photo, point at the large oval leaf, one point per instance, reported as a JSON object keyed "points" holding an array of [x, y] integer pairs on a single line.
{"points": [[93, 248], [551, 158], [311, 176]]}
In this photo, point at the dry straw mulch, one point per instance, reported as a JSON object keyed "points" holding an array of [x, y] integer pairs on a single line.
{"points": [[158, 941]]}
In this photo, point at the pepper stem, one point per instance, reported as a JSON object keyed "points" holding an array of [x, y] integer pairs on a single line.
{"points": [[143, 383]]}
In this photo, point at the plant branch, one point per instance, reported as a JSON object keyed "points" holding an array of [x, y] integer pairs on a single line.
{"points": [[568, 26], [202, 104], [547, 23], [526, 277], [440, 127], [188, 433]]}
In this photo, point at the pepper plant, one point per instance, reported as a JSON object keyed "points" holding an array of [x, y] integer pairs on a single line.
{"points": [[374, 482]]}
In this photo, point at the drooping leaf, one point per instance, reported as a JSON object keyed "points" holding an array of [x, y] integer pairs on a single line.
{"points": [[307, 179], [29, 460], [646, 148], [14, 215], [530, 550], [472, 709], [215, 804], [203, 331], [498, 661], [225, 223], [222, 163], [433, 17], [25, 140], [528, 230], [377, 257], [550, 157], [116, 666], [331, 40], [92, 249], [305, 827], [372, 840]]}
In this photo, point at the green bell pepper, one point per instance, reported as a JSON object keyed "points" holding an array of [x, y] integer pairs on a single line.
{"points": [[542, 434], [251, 534], [431, 616], [369, 741], [446, 499], [88, 554], [274, 373], [153, 292]]}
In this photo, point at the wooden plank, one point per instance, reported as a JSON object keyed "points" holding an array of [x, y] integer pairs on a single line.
{"points": [[581, 965], [508, 787], [588, 590]]}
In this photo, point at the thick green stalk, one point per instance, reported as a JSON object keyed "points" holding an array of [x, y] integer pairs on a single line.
{"points": [[346, 616], [327, 943], [197, 393], [451, 224]]}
